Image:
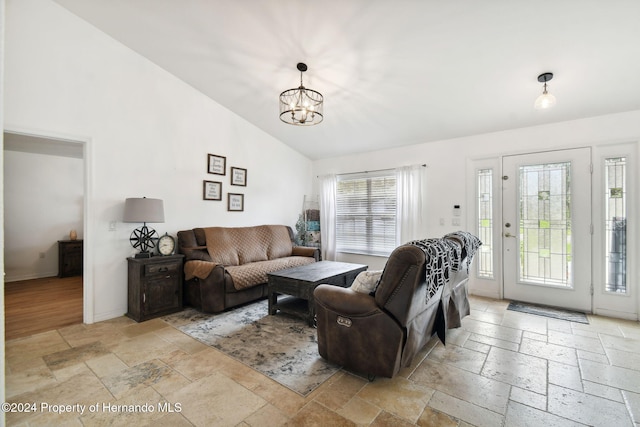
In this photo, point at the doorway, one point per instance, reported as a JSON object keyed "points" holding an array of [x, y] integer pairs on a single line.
{"points": [[45, 190], [546, 228]]}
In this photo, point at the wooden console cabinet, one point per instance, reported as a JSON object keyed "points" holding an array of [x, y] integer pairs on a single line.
{"points": [[69, 258], [155, 286]]}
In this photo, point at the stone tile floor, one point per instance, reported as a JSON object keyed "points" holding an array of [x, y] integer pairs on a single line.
{"points": [[500, 368]]}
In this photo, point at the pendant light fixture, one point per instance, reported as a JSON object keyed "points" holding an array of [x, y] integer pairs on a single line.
{"points": [[546, 100], [301, 106]]}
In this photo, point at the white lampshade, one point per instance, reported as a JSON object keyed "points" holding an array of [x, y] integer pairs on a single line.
{"points": [[546, 100], [143, 210]]}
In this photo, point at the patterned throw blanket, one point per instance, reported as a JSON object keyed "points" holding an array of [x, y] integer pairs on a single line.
{"points": [[470, 244], [445, 255]]}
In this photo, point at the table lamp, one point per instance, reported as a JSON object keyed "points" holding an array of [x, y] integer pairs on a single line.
{"points": [[143, 210]]}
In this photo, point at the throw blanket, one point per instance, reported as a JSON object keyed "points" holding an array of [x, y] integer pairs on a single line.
{"points": [[470, 243], [438, 256], [199, 269], [444, 255]]}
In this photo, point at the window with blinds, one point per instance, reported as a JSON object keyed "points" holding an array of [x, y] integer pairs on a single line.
{"points": [[366, 213]]}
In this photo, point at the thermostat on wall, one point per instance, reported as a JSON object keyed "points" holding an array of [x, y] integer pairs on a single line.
{"points": [[456, 210]]}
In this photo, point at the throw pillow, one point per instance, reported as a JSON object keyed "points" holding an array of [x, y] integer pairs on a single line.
{"points": [[366, 281]]}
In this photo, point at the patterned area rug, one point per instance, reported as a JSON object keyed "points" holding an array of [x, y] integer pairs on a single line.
{"points": [[541, 310], [282, 347]]}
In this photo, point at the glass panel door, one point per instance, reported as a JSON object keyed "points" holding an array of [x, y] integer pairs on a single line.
{"points": [[545, 224], [546, 229]]}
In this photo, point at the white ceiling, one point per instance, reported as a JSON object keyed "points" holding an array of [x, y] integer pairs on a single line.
{"points": [[392, 72]]}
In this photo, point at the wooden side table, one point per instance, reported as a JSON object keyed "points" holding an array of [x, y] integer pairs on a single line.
{"points": [[70, 258], [155, 286]]}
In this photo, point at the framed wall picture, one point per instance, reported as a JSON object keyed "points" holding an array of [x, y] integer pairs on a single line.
{"points": [[238, 176], [235, 202], [212, 190], [217, 164]]}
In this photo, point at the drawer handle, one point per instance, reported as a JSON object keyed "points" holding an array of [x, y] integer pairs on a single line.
{"points": [[163, 269]]}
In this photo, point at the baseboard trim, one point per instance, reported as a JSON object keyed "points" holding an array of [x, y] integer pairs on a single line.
{"points": [[9, 278]]}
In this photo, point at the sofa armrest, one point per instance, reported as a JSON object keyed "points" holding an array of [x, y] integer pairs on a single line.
{"points": [[205, 291], [306, 251], [199, 269]]}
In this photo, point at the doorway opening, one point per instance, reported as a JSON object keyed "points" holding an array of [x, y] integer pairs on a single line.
{"points": [[44, 207]]}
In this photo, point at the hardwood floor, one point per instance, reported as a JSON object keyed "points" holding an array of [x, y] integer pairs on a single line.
{"points": [[33, 306]]}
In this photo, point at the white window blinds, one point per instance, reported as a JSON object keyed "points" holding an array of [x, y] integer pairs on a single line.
{"points": [[366, 213]]}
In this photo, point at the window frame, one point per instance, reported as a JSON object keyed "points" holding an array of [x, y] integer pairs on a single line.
{"points": [[379, 215]]}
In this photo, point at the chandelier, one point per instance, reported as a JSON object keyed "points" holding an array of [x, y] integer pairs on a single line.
{"points": [[301, 106]]}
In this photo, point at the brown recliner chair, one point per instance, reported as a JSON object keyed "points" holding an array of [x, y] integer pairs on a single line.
{"points": [[378, 334]]}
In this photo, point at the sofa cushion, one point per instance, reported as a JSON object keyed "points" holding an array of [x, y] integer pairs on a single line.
{"points": [[279, 245], [251, 243], [255, 273]]}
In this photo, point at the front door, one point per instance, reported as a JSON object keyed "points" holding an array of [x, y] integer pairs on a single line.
{"points": [[547, 228]]}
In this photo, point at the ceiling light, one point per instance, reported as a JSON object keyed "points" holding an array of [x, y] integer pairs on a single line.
{"points": [[301, 106], [546, 100]]}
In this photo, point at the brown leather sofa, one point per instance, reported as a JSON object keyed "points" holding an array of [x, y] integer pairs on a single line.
{"points": [[228, 266], [379, 334]]}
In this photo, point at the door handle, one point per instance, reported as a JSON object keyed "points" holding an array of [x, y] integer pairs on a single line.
{"points": [[507, 234]]}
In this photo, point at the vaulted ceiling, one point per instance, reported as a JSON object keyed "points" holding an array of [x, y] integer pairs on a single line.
{"points": [[392, 73]]}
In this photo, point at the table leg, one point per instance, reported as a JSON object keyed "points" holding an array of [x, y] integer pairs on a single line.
{"points": [[312, 312], [273, 300]]}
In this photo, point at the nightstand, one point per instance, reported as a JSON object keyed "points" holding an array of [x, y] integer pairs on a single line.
{"points": [[155, 286], [69, 258]]}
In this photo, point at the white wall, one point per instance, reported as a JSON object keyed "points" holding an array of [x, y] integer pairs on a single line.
{"points": [[43, 197], [146, 134], [447, 181]]}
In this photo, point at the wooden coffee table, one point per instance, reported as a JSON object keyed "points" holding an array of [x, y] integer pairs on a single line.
{"points": [[298, 283]]}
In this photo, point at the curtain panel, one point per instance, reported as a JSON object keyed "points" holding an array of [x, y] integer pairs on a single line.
{"points": [[410, 184], [328, 216]]}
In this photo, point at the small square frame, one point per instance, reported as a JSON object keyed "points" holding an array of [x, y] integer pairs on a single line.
{"points": [[238, 176], [235, 202], [211, 190], [216, 165]]}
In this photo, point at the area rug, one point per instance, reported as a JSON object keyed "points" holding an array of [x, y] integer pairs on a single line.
{"points": [[283, 347], [555, 313]]}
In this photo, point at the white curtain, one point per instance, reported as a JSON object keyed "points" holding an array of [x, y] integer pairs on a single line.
{"points": [[328, 216], [410, 184]]}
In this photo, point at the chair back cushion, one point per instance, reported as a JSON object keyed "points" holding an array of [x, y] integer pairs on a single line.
{"points": [[401, 289]]}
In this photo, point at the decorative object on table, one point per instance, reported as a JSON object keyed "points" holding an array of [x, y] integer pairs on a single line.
{"points": [[238, 176], [143, 210], [280, 347], [216, 165], [546, 100], [73, 235], [212, 190], [166, 245], [301, 106], [235, 202]]}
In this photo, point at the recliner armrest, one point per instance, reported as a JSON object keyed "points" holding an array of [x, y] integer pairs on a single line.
{"points": [[345, 301]]}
